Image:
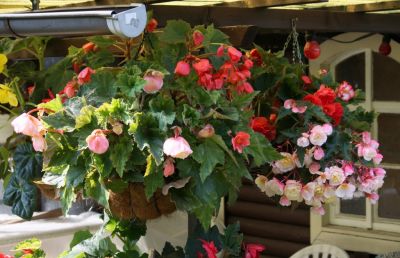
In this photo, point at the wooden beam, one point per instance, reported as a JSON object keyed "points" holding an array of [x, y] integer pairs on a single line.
{"points": [[269, 3], [280, 19], [241, 36], [366, 7]]}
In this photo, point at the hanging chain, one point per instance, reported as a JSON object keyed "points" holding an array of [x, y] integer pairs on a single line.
{"points": [[293, 36]]}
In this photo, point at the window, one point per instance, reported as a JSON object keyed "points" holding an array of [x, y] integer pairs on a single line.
{"points": [[357, 225]]}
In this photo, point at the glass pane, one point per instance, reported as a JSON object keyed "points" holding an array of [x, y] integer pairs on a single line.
{"points": [[389, 137], [388, 205], [352, 70], [354, 207], [386, 78]]}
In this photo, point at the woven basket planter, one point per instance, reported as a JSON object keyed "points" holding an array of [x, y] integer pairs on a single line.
{"points": [[132, 203]]}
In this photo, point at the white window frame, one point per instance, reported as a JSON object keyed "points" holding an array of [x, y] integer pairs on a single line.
{"points": [[353, 232]]}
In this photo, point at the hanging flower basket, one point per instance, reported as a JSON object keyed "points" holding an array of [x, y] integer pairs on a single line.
{"points": [[133, 203]]}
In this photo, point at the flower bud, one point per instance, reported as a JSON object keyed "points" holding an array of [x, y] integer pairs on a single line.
{"points": [[207, 132], [198, 38], [154, 81], [97, 142], [182, 68], [152, 25], [169, 168]]}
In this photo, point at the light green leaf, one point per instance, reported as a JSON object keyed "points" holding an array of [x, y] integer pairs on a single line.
{"points": [[54, 105], [84, 117]]}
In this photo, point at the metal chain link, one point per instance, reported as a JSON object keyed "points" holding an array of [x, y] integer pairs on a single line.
{"points": [[294, 35]]}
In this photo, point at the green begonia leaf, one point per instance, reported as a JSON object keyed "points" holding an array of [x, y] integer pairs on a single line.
{"points": [[130, 81], [208, 154], [261, 150], [84, 117], [175, 32], [153, 178], [120, 153]]}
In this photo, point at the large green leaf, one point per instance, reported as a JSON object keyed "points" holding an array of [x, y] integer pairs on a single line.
{"points": [[61, 121], [94, 187], [175, 32], [100, 89], [261, 150], [22, 196], [208, 154], [80, 236], [28, 163], [162, 108], [120, 153], [232, 239], [153, 178], [130, 81], [145, 129]]}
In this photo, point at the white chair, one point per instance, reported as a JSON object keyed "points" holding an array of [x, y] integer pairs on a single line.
{"points": [[320, 251]]}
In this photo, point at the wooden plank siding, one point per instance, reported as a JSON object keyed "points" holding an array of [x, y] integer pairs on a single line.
{"points": [[282, 230]]}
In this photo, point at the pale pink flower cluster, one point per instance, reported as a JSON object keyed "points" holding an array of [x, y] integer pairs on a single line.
{"points": [[294, 106], [33, 127], [343, 179], [345, 91], [368, 149]]}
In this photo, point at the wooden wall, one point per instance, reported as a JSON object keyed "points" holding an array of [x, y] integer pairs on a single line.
{"points": [[282, 230]]}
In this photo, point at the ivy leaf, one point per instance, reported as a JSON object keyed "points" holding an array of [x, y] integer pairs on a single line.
{"points": [[163, 110], [60, 121], [120, 155], [84, 117], [153, 178], [130, 81], [175, 32], [22, 196], [80, 236], [100, 89], [232, 240], [261, 150], [147, 134], [28, 163], [208, 154]]}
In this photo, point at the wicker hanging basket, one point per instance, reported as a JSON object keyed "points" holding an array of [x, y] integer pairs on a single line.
{"points": [[132, 203]]}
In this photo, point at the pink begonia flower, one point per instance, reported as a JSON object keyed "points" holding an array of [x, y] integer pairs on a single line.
{"points": [[374, 144], [318, 210], [177, 147], [207, 132], [253, 250], [169, 168], [220, 51], [379, 173], [328, 129], [293, 190], [319, 153], [348, 169], [299, 109], [274, 187], [303, 142], [202, 66], [260, 182], [234, 54], [154, 81], [288, 104], [307, 192], [345, 191], [306, 79], [335, 175], [27, 125], [39, 143], [210, 248], [314, 167], [182, 68], [368, 153], [97, 142], [287, 163], [198, 38], [318, 135], [307, 161], [345, 91], [373, 197], [284, 201], [85, 75], [366, 137], [377, 159]]}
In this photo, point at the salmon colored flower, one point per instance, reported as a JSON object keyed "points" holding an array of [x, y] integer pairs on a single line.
{"points": [[202, 66], [198, 38], [210, 248], [154, 81], [169, 168], [253, 250], [151, 25], [39, 143], [177, 147], [220, 51], [234, 54], [241, 140], [245, 88], [182, 68], [85, 75], [88, 47], [70, 89], [97, 142], [27, 125]]}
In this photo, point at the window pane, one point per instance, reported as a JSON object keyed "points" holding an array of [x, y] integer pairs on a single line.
{"points": [[352, 70], [389, 137], [386, 78], [354, 207], [388, 205]]}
